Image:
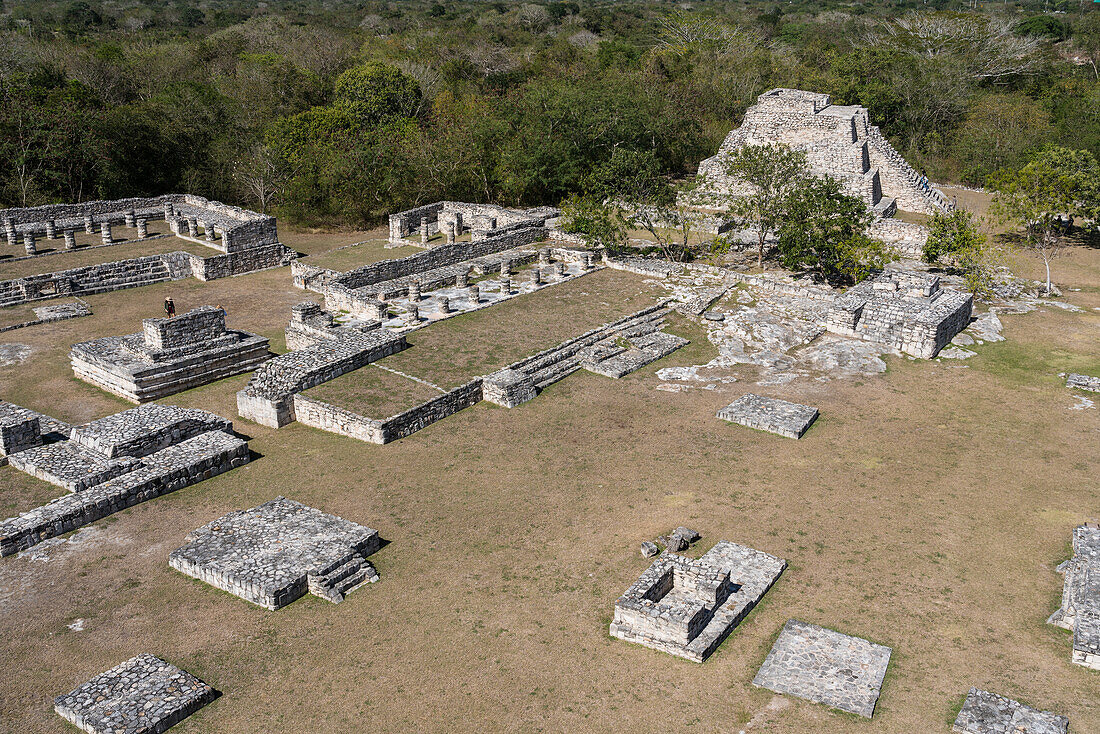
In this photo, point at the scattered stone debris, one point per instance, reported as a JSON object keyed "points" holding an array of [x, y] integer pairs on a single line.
{"points": [[956, 353], [272, 554], [770, 414], [987, 327], [141, 696], [827, 667], [1083, 382], [13, 354], [649, 549], [988, 713], [170, 355], [1080, 610], [686, 608], [1082, 403]]}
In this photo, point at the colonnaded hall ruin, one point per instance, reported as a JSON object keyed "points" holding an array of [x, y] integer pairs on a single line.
{"points": [[232, 472]]}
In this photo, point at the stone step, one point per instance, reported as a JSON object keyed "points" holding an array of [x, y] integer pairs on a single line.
{"points": [[336, 583]]}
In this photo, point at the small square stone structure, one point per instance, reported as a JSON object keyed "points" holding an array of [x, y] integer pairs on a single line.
{"points": [[168, 356], [144, 695], [1080, 610], [988, 713], [687, 608], [508, 388], [770, 414], [272, 554], [826, 667]]}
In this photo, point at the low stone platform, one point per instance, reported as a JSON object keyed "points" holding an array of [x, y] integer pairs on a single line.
{"points": [[1080, 610], [827, 667], [170, 355], [272, 554], [143, 695], [988, 713], [1083, 382], [111, 464], [687, 608], [770, 414]]}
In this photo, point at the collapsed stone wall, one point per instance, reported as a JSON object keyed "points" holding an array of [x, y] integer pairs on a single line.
{"points": [[239, 262]]}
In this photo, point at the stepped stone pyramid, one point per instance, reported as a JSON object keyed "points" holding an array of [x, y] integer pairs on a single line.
{"points": [[839, 140]]}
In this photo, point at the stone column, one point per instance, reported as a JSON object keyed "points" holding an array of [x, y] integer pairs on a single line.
{"points": [[28, 243], [505, 286], [587, 261], [451, 233], [70, 239], [9, 225], [475, 294], [192, 226], [462, 279], [544, 256], [12, 239], [413, 314], [423, 231], [444, 304], [51, 229], [505, 267], [105, 232], [129, 218], [210, 234], [559, 270], [414, 291], [142, 228], [89, 225], [536, 275], [169, 210]]}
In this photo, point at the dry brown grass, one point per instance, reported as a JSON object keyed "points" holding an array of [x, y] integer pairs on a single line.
{"points": [[926, 510]]}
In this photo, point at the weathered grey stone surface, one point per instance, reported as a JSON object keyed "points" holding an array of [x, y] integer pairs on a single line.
{"points": [[53, 312], [1083, 382], [827, 667], [1080, 610], [272, 554], [113, 463], [988, 713], [649, 549], [144, 695], [169, 355], [686, 607], [908, 311], [770, 414]]}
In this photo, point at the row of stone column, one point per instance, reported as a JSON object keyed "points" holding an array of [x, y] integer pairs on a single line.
{"points": [[30, 239]]}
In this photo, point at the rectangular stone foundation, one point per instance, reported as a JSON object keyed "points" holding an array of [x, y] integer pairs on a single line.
{"points": [[143, 695], [770, 414], [273, 554], [988, 713]]}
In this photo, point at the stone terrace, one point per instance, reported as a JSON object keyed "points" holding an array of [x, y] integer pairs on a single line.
{"points": [[170, 355], [1080, 610], [907, 311], [827, 667], [113, 463], [988, 713], [687, 608], [272, 554], [143, 695], [770, 414]]}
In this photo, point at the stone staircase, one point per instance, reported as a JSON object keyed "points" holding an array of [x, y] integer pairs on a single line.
{"points": [[339, 579], [91, 279]]}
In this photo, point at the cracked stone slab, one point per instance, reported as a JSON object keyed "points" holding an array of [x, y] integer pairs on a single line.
{"points": [[1083, 382], [988, 713], [140, 696], [770, 414], [824, 666]]}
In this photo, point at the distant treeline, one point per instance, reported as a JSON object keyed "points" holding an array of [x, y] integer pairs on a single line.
{"points": [[337, 113]]}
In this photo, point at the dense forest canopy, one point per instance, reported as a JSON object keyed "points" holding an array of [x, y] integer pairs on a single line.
{"points": [[340, 112]]}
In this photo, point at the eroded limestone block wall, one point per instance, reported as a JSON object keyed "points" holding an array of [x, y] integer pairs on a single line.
{"points": [[242, 261], [96, 278]]}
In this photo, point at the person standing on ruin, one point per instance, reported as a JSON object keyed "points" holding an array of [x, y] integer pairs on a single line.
{"points": [[169, 307]]}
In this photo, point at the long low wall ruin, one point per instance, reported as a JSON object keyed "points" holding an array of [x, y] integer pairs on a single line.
{"points": [[599, 350], [120, 274]]}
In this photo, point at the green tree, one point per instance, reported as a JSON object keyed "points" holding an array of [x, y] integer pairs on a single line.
{"points": [[588, 215], [1058, 183], [824, 231], [954, 239], [377, 92], [772, 172]]}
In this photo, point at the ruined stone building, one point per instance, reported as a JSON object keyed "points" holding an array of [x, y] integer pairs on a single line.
{"points": [[839, 140]]}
